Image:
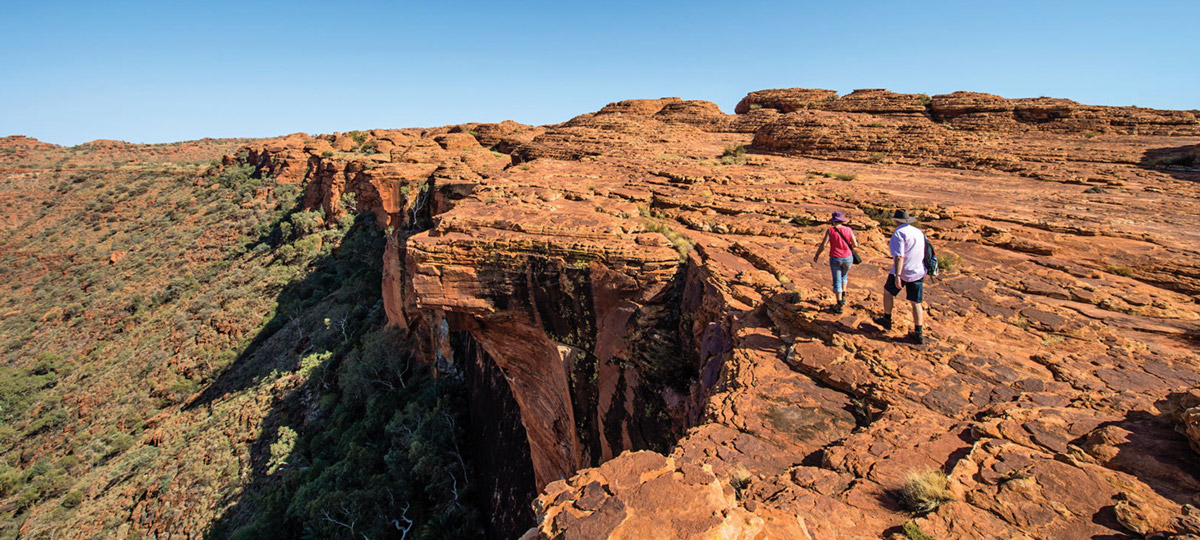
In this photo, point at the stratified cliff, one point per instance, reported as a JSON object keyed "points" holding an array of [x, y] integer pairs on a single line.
{"points": [[643, 284], [630, 301]]}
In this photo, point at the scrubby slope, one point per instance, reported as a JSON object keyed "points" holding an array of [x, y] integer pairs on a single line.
{"points": [[160, 324]]}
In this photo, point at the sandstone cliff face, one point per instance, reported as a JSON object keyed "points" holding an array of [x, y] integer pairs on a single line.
{"points": [[958, 130], [563, 270], [974, 111], [552, 290], [1042, 386], [859, 136]]}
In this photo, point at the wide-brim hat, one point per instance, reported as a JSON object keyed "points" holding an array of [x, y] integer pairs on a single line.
{"points": [[838, 217], [902, 217]]}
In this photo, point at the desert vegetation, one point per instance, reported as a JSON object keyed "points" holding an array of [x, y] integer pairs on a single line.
{"points": [[169, 290], [924, 491]]}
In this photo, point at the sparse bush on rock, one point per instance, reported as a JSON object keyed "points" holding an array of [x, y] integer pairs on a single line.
{"points": [[924, 491]]}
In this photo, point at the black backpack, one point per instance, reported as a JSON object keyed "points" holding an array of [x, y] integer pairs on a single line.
{"points": [[931, 261]]}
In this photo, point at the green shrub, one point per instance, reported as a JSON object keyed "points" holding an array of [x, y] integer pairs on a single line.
{"points": [[73, 498], [391, 453], [10, 478], [308, 247], [682, 244], [118, 443], [734, 155], [285, 441], [182, 388], [879, 215], [41, 481], [52, 416], [914, 532], [307, 222], [845, 177], [312, 362], [287, 193], [734, 151], [948, 261], [235, 176], [68, 462], [358, 136]]}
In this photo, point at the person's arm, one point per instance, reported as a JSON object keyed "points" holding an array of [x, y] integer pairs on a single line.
{"points": [[853, 239], [821, 247], [896, 247]]}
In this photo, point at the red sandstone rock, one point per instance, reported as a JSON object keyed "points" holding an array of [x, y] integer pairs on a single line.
{"points": [[1189, 417], [23, 143], [858, 136], [644, 107], [986, 112], [702, 114], [503, 137], [784, 100], [877, 101]]}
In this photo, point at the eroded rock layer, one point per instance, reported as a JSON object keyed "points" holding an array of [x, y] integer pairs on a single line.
{"points": [[646, 291]]}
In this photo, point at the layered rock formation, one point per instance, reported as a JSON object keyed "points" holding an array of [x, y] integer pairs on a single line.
{"points": [[974, 111], [1041, 397]]}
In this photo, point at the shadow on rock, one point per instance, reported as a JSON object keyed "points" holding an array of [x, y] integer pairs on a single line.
{"points": [[1149, 447], [1182, 162]]}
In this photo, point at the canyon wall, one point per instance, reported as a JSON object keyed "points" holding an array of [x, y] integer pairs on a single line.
{"points": [[643, 287]]}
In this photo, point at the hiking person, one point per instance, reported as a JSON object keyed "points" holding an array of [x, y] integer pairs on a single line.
{"points": [[841, 255], [907, 247]]}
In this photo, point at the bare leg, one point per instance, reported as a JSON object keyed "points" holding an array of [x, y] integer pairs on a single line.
{"points": [[887, 303], [918, 314]]}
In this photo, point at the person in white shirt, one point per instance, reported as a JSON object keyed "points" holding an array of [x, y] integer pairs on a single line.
{"points": [[907, 247]]}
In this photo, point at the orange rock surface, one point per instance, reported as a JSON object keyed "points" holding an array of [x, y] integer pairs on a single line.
{"points": [[1067, 319]]}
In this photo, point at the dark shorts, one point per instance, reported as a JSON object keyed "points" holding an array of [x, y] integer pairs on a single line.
{"points": [[914, 290]]}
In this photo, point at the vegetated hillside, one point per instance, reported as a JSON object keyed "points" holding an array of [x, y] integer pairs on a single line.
{"points": [[131, 289]]}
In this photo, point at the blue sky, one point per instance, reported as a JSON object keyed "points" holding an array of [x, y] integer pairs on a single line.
{"points": [[71, 72]]}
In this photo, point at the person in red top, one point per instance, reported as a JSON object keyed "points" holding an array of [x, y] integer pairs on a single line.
{"points": [[841, 255]]}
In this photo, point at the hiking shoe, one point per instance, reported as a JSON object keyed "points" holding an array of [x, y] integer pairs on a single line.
{"points": [[839, 307], [918, 338], [884, 322]]}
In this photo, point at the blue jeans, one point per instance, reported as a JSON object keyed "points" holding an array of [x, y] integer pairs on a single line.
{"points": [[840, 267]]}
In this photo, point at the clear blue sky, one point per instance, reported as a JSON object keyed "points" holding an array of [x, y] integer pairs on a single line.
{"points": [[162, 71]]}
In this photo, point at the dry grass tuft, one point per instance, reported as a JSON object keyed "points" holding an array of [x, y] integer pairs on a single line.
{"points": [[740, 479], [925, 490]]}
